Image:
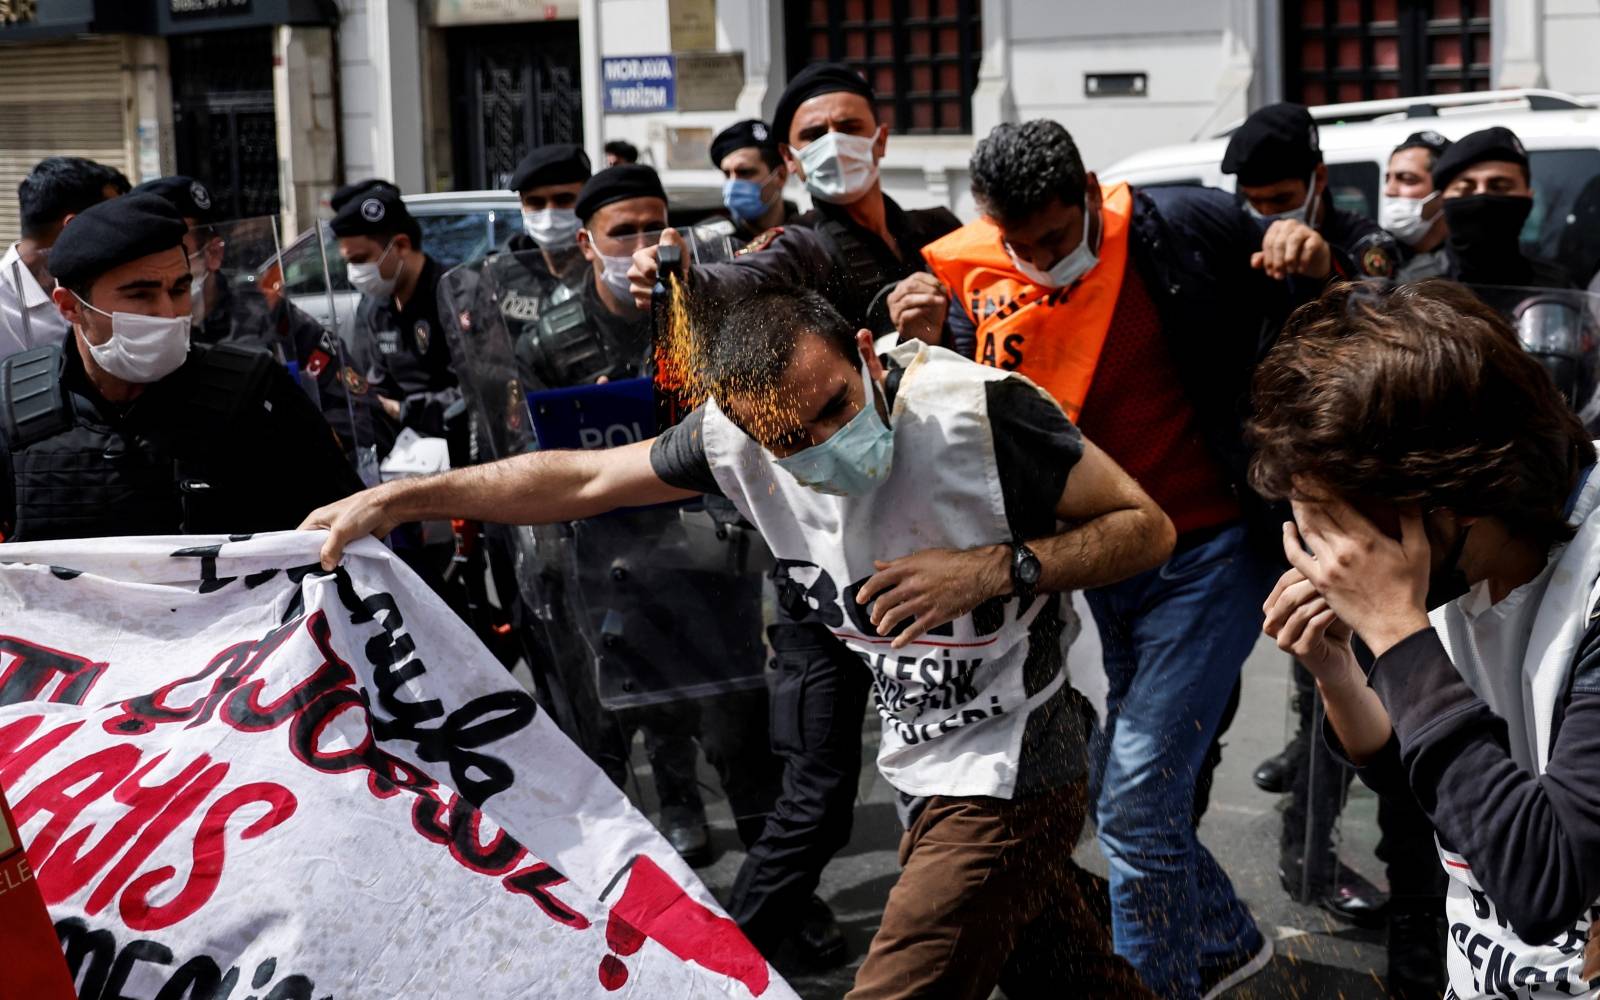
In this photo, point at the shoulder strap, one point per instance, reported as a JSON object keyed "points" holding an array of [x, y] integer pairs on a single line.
{"points": [[227, 381], [33, 403], [864, 275]]}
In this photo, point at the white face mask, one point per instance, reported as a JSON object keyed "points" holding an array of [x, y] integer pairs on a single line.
{"points": [[1402, 217], [839, 168], [1306, 213], [197, 297], [368, 278], [551, 228], [614, 273], [142, 349], [1068, 269]]}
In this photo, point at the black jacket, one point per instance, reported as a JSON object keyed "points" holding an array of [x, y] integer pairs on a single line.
{"points": [[226, 444], [827, 252], [406, 354], [1192, 246]]}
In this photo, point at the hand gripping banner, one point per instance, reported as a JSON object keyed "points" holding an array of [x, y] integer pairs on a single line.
{"points": [[236, 774]]}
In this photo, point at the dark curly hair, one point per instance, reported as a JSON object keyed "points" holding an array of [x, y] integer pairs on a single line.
{"points": [[1019, 169], [1415, 395]]}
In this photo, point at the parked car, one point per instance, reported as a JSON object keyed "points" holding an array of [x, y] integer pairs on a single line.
{"points": [[1561, 133]]}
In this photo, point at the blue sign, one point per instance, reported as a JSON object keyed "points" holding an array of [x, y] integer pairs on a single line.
{"points": [[594, 416], [637, 84]]}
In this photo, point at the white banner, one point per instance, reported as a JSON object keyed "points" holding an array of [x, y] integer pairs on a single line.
{"points": [[239, 776]]}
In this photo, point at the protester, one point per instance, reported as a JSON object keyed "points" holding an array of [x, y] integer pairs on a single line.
{"points": [[856, 247], [1432, 465], [1140, 313], [124, 428], [55, 190], [754, 174], [1283, 184], [1411, 209], [916, 475], [398, 332]]}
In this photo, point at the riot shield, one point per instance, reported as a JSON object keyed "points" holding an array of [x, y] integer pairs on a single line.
{"points": [[1560, 327], [649, 621], [246, 294]]}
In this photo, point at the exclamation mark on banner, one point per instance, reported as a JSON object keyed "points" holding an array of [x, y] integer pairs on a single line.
{"points": [[31, 964]]}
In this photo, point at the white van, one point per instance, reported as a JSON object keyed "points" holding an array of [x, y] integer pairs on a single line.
{"points": [[1561, 133]]}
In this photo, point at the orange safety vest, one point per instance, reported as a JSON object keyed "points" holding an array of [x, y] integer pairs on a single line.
{"points": [[1052, 335]]}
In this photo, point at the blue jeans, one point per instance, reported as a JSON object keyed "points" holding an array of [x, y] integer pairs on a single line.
{"points": [[1174, 640]]}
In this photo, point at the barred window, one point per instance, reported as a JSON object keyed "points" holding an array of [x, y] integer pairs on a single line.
{"points": [[921, 56], [1358, 50]]}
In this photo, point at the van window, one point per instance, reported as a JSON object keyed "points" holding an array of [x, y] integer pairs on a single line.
{"points": [[1354, 187], [1563, 193]]}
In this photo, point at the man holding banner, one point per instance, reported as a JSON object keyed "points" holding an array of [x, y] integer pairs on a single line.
{"points": [[917, 499]]}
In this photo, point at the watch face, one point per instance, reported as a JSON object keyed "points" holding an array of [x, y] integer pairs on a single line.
{"points": [[1027, 567]]}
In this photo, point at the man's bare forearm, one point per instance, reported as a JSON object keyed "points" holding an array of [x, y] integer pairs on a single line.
{"points": [[1105, 550], [540, 487]]}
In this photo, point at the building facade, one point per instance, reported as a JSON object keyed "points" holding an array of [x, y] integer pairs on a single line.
{"points": [[275, 102]]}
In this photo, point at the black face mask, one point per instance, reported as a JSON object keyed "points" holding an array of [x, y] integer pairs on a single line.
{"points": [[1484, 231], [1447, 583]]}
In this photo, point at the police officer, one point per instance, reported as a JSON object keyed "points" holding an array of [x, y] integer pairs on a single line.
{"points": [[1411, 209], [856, 246], [542, 264], [223, 314], [126, 428], [1284, 185], [398, 331], [754, 176], [1486, 193], [629, 564], [862, 251]]}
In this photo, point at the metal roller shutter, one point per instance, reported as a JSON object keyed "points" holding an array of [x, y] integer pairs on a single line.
{"points": [[59, 98]]}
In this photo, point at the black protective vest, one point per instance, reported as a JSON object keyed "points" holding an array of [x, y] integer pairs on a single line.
{"points": [[82, 470]]}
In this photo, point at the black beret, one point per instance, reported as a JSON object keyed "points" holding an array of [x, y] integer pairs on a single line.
{"points": [[375, 210], [817, 78], [191, 198], [113, 233], [625, 180], [1496, 143], [1428, 139], [742, 135], [561, 163], [342, 196], [1276, 143]]}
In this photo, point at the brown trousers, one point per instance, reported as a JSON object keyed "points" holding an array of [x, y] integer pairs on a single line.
{"points": [[989, 895]]}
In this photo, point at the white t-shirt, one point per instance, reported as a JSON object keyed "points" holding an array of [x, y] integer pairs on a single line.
{"points": [[28, 318]]}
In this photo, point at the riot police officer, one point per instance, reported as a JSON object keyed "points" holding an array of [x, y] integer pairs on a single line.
{"points": [[1410, 208], [398, 331], [126, 428], [223, 314], [638, 570], [754, 175], [1283, 183], [543, 260], [860, 250]]}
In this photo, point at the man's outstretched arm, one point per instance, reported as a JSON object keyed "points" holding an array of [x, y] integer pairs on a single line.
{"points": [[540, 487]]}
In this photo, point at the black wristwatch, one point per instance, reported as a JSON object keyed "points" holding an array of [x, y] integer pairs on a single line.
{"points": [[1025, 571]]}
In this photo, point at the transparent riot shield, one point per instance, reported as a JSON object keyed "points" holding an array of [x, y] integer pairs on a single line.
{"points": [[649, 622], [1560, 327], [250, 291]]}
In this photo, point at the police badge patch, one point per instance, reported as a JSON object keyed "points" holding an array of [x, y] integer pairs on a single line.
{"points": [[200, 196], [1377, 261], [421, 332], [354, 381], [372, 210]]}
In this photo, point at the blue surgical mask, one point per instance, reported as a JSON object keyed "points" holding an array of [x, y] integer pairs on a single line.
{"points": [[745, 199], [854, 460], [1305, 213]]}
